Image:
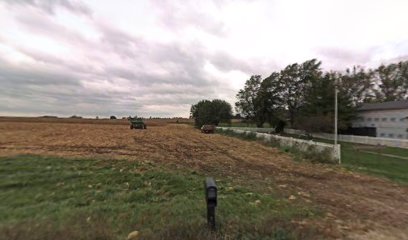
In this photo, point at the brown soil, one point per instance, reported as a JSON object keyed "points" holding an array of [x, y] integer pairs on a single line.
{"points": [[355, 206]]}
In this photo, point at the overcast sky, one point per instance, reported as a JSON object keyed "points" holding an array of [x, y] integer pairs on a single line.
{"points": [[156, 58]]}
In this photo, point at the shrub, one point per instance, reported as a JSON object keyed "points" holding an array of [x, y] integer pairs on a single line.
{"points": [[318, 156], [280, 126], [211, 112]]}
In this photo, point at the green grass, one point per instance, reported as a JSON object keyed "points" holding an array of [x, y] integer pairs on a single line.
{"points": [[298, 155], [392, 168], [242, 124], [54, 198], [250, 136], [353, 159], [402, 152]]}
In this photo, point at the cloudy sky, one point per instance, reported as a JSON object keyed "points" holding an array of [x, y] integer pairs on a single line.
{"points": [[156, 58]]}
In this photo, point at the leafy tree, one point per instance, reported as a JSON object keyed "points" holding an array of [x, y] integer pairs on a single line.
{"points": [[248, 103], [305, 95], [318, 109], [237, 116], [221, 111], [293, 83], [260, 100], [201, 112], [211, 112], [392, 81], [270, 100], [357, 84]]}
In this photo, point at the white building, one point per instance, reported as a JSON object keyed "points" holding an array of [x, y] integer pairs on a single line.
{"points": [[386, 120]]}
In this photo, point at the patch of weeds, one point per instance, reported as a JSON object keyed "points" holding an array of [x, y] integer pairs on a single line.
{"points": [[54, 198], [319, 157], [79, 227], [250, 136]]}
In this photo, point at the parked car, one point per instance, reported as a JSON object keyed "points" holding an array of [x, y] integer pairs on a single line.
{"points": [[208, 128]]}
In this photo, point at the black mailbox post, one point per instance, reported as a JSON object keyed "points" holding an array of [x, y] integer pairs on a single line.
{"points": [[210, 189]]}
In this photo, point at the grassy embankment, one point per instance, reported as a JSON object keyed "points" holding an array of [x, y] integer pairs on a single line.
{"points": [[54, 198]]}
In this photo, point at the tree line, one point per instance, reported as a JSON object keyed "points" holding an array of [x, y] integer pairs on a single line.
{"points": [[302, 95]]}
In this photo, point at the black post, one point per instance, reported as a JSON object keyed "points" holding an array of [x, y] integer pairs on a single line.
{"points": [[211, 216], [210, 189]]}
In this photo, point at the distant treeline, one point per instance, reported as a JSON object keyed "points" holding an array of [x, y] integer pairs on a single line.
{"points": [[303, 94], [115, 117]]}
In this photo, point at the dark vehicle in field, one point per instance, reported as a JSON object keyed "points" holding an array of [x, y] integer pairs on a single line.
{"points": [[208, 128], [137, 123]]}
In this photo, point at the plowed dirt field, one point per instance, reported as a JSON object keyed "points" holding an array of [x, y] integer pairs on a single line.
{"points": [[355, 206]]}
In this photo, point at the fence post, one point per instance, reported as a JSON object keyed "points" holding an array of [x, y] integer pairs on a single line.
{"points": [[338, 152]]}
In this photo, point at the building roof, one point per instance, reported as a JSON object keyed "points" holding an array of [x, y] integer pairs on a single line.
{"points": [[384, 105]]}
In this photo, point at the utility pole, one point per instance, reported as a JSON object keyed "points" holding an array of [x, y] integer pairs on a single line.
{"points": [[335, 116]]}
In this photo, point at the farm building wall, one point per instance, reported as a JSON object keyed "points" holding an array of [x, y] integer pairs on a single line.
{"points": [[389, 123]]}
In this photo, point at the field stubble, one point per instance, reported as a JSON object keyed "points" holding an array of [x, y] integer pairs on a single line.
{"points": [[352, 203]]}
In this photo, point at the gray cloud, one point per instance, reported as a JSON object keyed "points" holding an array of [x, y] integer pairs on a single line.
{"points": [[123, 44], [226, 62], [23, 75], [44, 25], [340, 58], [148, 75], [178, 64], [157, 64], [179, 14], [50, 6]]}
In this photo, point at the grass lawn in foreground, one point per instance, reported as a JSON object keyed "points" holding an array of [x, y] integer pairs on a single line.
{"points": [[55, 198]]}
